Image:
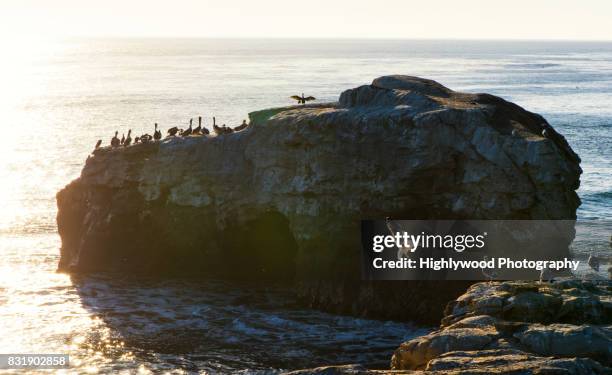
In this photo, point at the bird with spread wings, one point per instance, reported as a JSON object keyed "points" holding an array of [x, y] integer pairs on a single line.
{"points": [[302, 99]]}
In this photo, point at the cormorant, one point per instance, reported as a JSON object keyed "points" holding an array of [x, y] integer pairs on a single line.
{"points": [[241, 126], [173, 130], [128, 140], [98, 144], [122, 138], [136, 140], [115, 141], [302, 99], [156, 134]]}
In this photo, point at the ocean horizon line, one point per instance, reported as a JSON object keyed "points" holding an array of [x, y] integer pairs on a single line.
{"points": [[319, 39]]}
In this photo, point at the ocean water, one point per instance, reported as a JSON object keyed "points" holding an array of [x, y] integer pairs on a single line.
{"points": [[58, 98]]}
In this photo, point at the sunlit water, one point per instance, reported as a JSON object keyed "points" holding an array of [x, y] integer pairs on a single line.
{"points": [[58, 98]]}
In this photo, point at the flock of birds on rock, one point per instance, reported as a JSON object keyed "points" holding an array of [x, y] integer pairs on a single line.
{"points": [[172, 132]]}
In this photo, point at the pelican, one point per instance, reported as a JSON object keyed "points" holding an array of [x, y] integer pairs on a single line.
{"points": [[302, 99], [198, 129], [115, 141], [189, 130], [241, 126], [217, 129], [156, 134], [128, 139], [173, 130], [145, 138]]}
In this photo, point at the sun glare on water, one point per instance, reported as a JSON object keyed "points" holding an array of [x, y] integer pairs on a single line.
{"points": [[27, 130]]}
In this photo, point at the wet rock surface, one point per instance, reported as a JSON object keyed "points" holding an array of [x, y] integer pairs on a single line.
{"points": [[519, 327], [283, 198]]}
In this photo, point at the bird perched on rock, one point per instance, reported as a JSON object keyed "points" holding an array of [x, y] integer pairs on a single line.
{"points": [[217, 129], [136, 140], [157, 133], [122, 139], [302, 99], [115, 142], [222, 129], [98, 144], [145, 138], [128, 139], [172, 131], [593, 262], [198, 129], [189, 130], [241, 126]]}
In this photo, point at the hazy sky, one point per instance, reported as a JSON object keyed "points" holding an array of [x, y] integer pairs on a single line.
{"points": [[479, 19]]}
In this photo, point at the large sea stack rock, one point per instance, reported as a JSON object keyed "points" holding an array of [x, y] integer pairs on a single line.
{"points": [[283, 199]]}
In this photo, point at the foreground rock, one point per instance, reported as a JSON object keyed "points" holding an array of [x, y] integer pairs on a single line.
{"points": [[519, 327], [283, 199]]}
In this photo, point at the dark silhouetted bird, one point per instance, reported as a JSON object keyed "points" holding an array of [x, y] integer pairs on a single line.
{"points": [[241, 126], [303, 99], [115, 142], [145, 138], [128, 139], [157, 133], [198, 129], [98, 144], [173, 130], [188, 131]]}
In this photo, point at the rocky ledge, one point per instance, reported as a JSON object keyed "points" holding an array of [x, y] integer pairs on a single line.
{"points": [[283, 199], [564, 327], [522, 327]]}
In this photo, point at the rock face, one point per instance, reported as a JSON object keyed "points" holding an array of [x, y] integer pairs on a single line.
{"points": [[283, 199], [519, 327]]}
